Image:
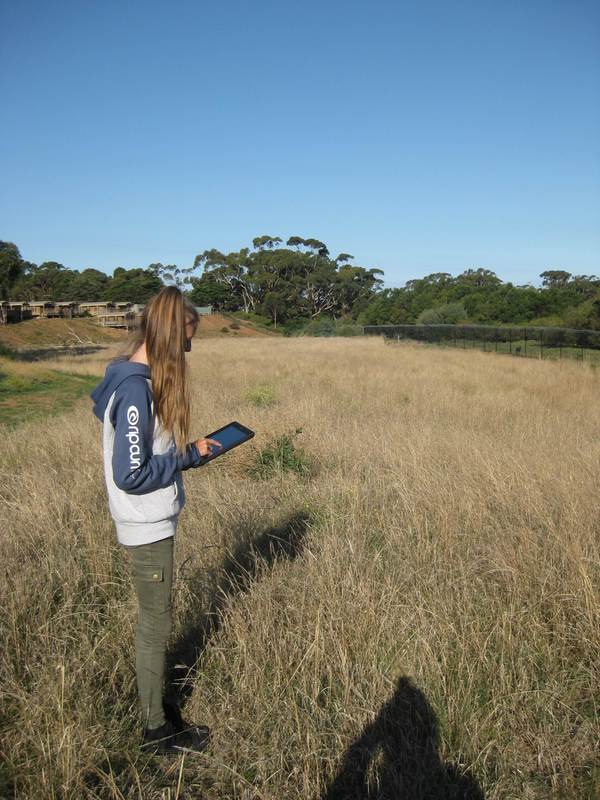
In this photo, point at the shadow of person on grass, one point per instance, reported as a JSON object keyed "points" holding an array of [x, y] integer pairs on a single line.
{"points": [[396, 757], [211, 590]]}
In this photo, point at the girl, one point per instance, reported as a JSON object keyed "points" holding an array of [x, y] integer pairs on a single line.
{"points": [[144, 404]]}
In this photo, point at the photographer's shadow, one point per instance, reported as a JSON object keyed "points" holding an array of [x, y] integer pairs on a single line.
{"points": [[210, 591], [396, 757]]}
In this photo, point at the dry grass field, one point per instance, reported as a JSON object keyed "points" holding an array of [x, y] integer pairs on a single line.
{"points": [[399, 601]]}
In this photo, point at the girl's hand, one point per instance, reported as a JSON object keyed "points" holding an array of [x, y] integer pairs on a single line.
{"points": [[204, 446]]}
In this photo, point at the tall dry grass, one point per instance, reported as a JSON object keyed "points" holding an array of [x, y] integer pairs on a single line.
{"points": [[417, 617]]}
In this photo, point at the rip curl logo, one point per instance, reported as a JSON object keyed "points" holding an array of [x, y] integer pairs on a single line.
{"points": [[133, 436]]}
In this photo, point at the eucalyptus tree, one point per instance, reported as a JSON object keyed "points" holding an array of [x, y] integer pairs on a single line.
{"points": [[318, 274], [231, 271], [273, 306], [88, 285], [260, 242], [555, 277], [12, 267], [356, 286], [172, 275], [47, 281], [133, 285]]}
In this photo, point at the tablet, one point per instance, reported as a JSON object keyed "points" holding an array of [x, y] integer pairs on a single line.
{"points": [[229, 436]]}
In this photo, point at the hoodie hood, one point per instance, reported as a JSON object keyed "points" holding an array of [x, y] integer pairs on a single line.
{"points": [[116, 372]]}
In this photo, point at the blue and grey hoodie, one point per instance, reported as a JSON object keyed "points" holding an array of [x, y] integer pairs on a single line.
{"points": [[141, 466]]}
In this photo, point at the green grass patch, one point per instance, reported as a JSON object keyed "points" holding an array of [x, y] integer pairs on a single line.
{"points": [[35, 396], [11, 385], [261, 396]]}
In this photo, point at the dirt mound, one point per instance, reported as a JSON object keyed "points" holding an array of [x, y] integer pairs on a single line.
{"points": [[213, 325]]}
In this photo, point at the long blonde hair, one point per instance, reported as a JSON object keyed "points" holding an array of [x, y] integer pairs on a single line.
{"points": [[162, 328]]}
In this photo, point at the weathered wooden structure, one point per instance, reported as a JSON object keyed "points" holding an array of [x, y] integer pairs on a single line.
{"points": [[94, 309], [14, 311], [66, 308], [116, 318]]}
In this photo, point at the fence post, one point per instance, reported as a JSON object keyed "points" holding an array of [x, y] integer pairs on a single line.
{"points": [[542, 344], [510, 341], [525, 337]]}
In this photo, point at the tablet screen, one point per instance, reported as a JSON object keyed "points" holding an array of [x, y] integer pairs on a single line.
{"points": [[229, 436]]}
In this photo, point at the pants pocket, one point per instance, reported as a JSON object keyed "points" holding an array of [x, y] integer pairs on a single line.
{"points": [[153, 587], [152, 572]]}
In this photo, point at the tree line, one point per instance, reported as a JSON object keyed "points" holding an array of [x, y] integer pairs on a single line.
{"points": [[298, 281], [480, 296], [24, 280]]}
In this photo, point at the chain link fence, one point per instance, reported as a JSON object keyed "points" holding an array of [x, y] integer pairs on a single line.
{"points": [[528, 342]]}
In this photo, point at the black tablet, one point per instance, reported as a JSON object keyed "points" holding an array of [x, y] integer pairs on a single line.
{"points": [[229, 436]]}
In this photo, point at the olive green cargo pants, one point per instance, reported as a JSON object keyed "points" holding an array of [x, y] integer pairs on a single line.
{"points": [[152, 570]]}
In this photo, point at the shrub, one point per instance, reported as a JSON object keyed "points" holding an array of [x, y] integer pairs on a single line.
{"points": [[281, 455], [448, 314], [6, 352], [293, 327], [321, 326], [348, 329], [257, 319], [585, 315], [326, 326], [549, 321]]}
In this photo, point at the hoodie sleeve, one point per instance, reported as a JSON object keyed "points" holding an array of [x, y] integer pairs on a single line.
{"points": [[135, 468]]}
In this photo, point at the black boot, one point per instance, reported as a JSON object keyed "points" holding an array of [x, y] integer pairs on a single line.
{"points": [[169, 739]]}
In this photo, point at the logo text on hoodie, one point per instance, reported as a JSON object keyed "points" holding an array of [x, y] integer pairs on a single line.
{"points": [[133, 435]]}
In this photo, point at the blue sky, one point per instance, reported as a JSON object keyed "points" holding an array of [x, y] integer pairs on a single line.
{"points": [[418, 136]]}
